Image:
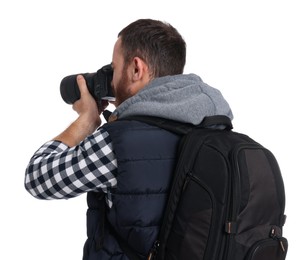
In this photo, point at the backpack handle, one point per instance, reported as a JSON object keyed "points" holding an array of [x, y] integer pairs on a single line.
{"points": [[216, 120]]}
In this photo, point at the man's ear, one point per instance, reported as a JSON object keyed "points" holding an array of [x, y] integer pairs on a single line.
{"points": [[139, 76], [140, 70]]}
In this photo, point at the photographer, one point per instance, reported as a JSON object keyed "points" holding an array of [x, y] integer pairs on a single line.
{"points": [[126, 166]]}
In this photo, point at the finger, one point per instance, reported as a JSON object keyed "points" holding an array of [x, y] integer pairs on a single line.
{"points": [[82, 85]]}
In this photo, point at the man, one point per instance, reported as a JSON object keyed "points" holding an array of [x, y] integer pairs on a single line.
{"points": [[126, 166]]}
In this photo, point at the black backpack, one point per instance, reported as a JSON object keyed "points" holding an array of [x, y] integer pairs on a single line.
{"points": [[227, 199]]}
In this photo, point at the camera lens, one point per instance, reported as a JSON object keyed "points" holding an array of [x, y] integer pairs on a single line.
{"points": [[99, 85], [69, 89]]}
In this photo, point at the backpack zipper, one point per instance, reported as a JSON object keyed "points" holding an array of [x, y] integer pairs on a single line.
{"points": [[276, 236]]}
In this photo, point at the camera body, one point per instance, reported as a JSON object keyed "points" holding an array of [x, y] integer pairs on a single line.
{"points": [[99, 85]]}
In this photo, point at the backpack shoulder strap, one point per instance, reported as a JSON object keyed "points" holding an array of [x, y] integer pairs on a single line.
{"points": [[183, 128]]}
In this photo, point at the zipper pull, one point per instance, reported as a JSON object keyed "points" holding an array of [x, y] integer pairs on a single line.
{"points": [[154, 250], [277, 237], [282, 246]]}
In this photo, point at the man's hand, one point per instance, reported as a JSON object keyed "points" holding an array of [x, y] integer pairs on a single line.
{"points": [[88, 120], [86, 106]]}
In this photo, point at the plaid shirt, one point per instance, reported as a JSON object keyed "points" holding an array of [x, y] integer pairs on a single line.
{"points": [[58, 172]]}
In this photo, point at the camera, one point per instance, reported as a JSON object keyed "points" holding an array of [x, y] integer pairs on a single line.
{"points": [[99, 85]]}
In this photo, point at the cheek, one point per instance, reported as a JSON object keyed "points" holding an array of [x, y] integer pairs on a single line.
{"points": [[115, 81]]}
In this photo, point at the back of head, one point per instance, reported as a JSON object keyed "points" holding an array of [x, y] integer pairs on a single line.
{"points": [[157, 43]]}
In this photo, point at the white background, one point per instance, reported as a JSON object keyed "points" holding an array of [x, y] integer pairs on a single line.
{"points": [[255, 52]]}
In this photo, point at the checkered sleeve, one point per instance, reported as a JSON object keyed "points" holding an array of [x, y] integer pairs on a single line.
{"points": [[58, 172]]}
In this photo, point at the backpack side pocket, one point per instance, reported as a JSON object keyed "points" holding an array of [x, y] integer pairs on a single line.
{"points": [[191, 228], [269, 249]]}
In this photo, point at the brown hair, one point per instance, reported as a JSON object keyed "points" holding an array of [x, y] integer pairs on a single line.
{"points": [[157, 43]]}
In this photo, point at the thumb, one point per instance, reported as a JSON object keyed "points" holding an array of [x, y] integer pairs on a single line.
{"points": [[82, 85]]}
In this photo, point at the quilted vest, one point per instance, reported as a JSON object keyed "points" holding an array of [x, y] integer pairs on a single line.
{"points": [[146, 159]]}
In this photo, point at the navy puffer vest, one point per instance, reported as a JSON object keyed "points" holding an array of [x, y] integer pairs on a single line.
{"points": [[146, 159]]}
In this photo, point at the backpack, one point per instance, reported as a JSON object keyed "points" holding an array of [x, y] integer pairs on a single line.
{"points": [[227, 197]]}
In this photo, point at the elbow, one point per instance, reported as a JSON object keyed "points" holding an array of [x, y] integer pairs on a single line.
{"points": [[40, 189], [33, 186], [32, 189]]}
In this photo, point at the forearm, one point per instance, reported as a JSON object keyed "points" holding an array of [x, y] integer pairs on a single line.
{"points": [[77, 131]]}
